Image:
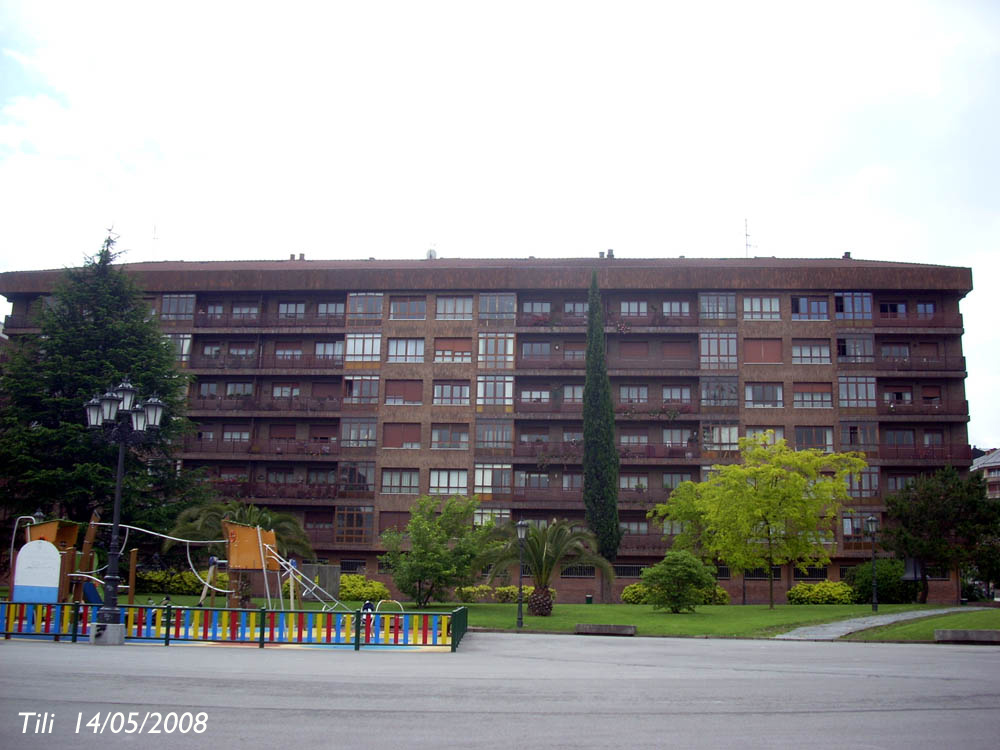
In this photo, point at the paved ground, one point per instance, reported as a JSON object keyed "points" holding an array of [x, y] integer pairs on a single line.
{"points": [[831, 631], [511, 691]]}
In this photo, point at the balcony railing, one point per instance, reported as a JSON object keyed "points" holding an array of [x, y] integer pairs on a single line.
{"points": [[632, 451], [665, 408], [905, 364], [18, 322], [925, 452], [223, 362], [551, 362], [549, 406], [552, 494], [652, 363], [269, 320], [918, 320], [276, 446], [642, 544], [923, 408], [294, 403], [287, 490], [571, 450]]}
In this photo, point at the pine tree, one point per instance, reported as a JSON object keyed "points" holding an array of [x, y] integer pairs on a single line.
{"points": [[600, 456], [95, 332]]}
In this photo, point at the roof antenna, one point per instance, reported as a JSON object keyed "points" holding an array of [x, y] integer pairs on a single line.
{"points": [[746, 237]]}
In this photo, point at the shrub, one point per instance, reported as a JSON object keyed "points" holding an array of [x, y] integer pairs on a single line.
{"points": [[715, 595], [892, 589], [473, 593], [825, 592], [355, 587], [678, 581], [175, 582], [508, 594], [635, 593]]}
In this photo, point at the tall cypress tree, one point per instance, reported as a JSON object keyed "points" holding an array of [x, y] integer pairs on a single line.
{"points": [[600, 456]]}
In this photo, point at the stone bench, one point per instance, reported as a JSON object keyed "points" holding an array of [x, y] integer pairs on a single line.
{"points": [[586, 629], [968, 636]]}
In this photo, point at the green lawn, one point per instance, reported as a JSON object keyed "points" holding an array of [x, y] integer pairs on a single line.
{"points": [[923, 630]]}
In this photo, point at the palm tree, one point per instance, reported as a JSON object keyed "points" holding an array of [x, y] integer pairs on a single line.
{"points": [[205, 522], [547, 549]]}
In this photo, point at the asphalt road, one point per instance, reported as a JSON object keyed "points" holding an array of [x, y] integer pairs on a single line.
{"points": [[512, 691]]}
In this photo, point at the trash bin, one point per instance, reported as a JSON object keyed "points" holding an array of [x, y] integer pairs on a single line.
{"points": [[590, 598]]}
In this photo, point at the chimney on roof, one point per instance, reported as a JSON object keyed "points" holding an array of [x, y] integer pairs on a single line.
{"points": [[600, 254], [847, 256], [611, 253], [432, 254], [302, 256], [291, 257]]}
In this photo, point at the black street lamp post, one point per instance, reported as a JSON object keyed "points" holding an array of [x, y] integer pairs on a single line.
{"points": [[522, 532], [124, 422], [871, 525]]}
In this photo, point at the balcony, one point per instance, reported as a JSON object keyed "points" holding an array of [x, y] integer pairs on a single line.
{"points": [[14, 323], [959, 408], [267, 361], [632, 452], [552, 362], [572, 451], [925, 452], [275, 447], [654, 363], [271, 320], [913, 319], [571, 497], [292, 404], [647, 409], [223, 362], [548, 407], [264, 490], [903, 364], [643, 544]]}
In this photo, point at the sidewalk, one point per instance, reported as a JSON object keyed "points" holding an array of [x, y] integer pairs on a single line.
{"points": [[831, 631]]}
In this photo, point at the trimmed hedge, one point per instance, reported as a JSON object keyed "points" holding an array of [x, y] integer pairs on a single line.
{"points": [[635, 593], [825, 592], [354, 587], [473, 593]]}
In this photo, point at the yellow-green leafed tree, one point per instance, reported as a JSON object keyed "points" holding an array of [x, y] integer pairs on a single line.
{"points": [[776, 506]]}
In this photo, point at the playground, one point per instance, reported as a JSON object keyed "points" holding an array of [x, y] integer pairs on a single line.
{"points": [[55, 597]]}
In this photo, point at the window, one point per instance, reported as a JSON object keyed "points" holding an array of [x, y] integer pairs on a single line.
{"points": [[572, 435], [236, 434], [673, 478], [899, 482], [812, 395], [634, 527], [330, 310], [364, 306], [575, 351], [761, 574], [233, 473], [761, 308], [865, 484], [633, 349], [899, 437], [763, 395], [535, 396], [856, 349], [357, 476], [280, 476], [812, 573], [452, 350], [718, 351], [858, 436], [288, 351], [449, 482], [852, 305], [536, 308], [633, 436], [364, 347], [496, 516], [214, 310], [534, 480], [493, 478], [494, 433], [322, 435], [284, 390], [401, 435], [761, 351], [814, 437], [208, 389], [353, 524], [676, 308], [810, 351], [676, 394], [894, 352], [720, 437], [633, 394], [357, 432], [719, 392], [572, 482], [239, 389], [633, 308], [810, 308], [898, 395], [856, 391], [496, 350], [497, 306], [450, 436], [405, 350], [361, 389], [211, 350], [854, 526], [454, 308], [578, 571], [633, 482], [677, 436], [892, 310], [332, 351], [243, 311], [177, 307], [400, 481], [533, 435], [451, 392], [717, 306], [399, 392], [181, 343], [291, 310], [407, 308], [926, 310], [776, 433], [575, 309], [541, 349], [573, 394], [930, 394], [495, 390]]}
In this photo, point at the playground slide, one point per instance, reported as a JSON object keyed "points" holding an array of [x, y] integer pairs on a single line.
{"points": [[90, 594]]}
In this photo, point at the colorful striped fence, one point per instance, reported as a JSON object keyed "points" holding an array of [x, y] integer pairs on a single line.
{"points": [[260, 626]]}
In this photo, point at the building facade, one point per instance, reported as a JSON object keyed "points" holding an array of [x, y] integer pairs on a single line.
{"points": [[341, 390]]}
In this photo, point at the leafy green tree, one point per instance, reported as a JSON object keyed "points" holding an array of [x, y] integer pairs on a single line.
{"points": [[944, 520], [547, 550], [774, 508], [600, 456], [438, 548], [96, 331], [678, 582], [892, 589]]}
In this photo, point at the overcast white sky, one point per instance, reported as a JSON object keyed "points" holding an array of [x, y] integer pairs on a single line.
{"points": [[216, 130]]}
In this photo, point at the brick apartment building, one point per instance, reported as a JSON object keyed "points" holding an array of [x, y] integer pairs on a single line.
{"points": [[339, 390]]}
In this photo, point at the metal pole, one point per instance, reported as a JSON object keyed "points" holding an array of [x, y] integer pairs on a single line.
{"points": [[874, 577], [109, 612], [520, 583]]}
